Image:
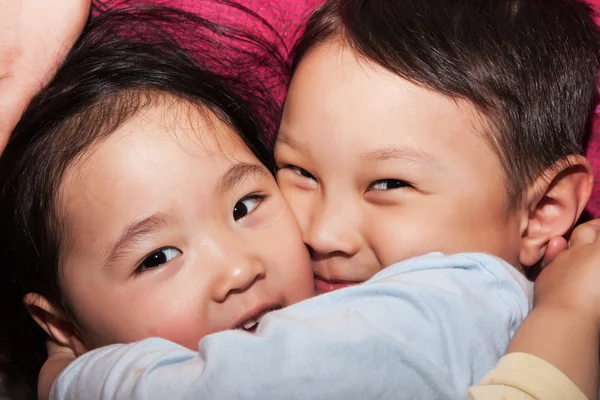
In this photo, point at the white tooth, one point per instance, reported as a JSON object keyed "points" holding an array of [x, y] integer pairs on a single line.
{"points": [[250, 324]]}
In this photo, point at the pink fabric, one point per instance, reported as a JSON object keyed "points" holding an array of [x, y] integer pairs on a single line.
{"points": [[593, 151], [285, 16], [593, 154], [595, 3]]}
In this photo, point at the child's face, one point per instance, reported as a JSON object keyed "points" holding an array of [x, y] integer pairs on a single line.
{"points": [[377, 170], [175, 229]]}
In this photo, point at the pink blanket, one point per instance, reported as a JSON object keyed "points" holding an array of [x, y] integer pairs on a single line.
{"points": [[593, 152]]}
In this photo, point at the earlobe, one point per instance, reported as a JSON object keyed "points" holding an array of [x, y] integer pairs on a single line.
{"points": [[555, 203], [54, 322]]}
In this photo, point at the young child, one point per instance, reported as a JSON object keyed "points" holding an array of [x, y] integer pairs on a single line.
{"points": [[403, 112], [136, 156], [407, 112], [423, 328]]}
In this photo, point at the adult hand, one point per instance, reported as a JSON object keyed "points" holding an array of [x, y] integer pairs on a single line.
{"points": [[35, 36]]}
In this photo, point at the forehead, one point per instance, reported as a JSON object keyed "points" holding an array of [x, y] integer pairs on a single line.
{"points": [[165, 157], [335, 92], [170, 134]]}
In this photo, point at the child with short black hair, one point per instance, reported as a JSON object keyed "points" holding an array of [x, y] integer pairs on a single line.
{"points": [[406, 111]]}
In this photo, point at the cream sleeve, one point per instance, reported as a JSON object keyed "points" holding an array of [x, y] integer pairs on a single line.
{"points": [[521, 376]]}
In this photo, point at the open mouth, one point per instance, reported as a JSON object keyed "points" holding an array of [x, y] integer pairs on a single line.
{"points": [[250, 324]]}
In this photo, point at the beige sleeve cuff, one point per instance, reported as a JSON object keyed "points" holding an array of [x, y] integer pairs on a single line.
{"points": [[525, 377]]}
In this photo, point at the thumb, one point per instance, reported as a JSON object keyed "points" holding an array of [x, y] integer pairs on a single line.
{"points": [[13, 101], [556, 245]]}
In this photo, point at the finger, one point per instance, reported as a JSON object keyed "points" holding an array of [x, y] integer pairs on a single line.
{"points": [[13, 100], [585, 234], [593, 222], [555, 246]]}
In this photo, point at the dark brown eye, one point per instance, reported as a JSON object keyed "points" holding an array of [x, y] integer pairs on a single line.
{"points": [[246, 205], [158, 258], [301, 172], [388, 184]]}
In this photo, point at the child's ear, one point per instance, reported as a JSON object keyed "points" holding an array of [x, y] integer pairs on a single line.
{"points": [[555, 203], [54, 322]]}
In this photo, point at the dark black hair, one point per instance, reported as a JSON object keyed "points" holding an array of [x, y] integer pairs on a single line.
{"points": [[529, 66], [125, 60]]}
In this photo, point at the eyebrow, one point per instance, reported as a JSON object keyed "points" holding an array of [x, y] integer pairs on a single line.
{"points": [[134, 232], [405, 154], [238, 173], [287, 140]]}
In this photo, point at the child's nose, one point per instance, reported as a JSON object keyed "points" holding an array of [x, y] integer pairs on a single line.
{"points": [[332, 230], [237, 274]]}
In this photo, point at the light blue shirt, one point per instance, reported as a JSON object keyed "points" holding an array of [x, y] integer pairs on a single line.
{"points": [[425, 328]]}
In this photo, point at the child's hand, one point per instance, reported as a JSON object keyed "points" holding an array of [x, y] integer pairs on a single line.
{"points": [[59, 357], [564, 325], [572, 280], [556, 246], [35, 36]]}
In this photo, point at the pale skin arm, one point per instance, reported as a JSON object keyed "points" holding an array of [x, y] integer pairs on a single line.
{"points": [[59, 358], [563, 327], [35, 36]]}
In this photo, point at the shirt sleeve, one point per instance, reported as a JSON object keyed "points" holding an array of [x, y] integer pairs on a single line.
{"points": [[427, 328], [525, 377]]}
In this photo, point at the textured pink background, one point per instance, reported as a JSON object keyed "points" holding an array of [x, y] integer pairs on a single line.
{"points": [[285, 16], [593, 152]]}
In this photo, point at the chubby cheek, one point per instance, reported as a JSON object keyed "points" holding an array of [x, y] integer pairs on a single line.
{"points": [[183, 324], [289, 262], [184, 332], [129, 318], [405, 235], [300, 203], [394, 242], [481, 223]]}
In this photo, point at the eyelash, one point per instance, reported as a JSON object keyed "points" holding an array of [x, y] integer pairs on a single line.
{"points": [[140, 268], [305, 174], [402, 185], [260, 197], [300, 171]]}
